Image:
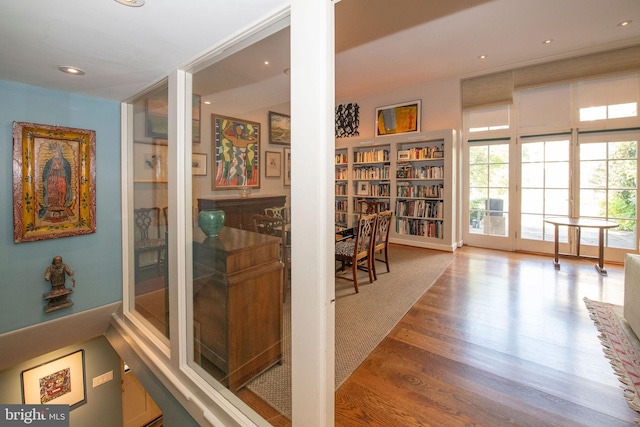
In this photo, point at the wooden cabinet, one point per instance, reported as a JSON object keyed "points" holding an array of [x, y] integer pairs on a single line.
{"points": [[237, 304], [239, 211]]}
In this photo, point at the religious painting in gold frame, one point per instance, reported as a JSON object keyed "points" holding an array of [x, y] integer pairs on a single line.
{"points": [[54, 182]]}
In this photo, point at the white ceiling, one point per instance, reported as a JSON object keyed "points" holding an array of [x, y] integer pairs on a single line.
{"points": [[380, 44]]}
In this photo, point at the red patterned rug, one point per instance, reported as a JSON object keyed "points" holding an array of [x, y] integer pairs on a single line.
{"points": [[621, 346]]}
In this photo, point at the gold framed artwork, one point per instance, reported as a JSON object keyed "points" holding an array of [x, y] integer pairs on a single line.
{"points": [[58, 382], [236, 144], [272, 164], [398, 118], [279, 128], [54, 182], [287, 167], [199, 164]]}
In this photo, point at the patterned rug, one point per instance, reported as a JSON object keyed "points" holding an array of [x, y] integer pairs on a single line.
{"points": [[620, 345], [362, 320]]}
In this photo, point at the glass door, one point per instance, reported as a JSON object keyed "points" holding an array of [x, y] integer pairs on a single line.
{"points": [[545, 176], [489, 193]]}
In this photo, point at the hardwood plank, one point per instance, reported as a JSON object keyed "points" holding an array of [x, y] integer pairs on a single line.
{"points": [[501, 339]]}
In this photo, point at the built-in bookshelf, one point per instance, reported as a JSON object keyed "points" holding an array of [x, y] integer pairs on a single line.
{"points": [[371, 174], [420, 177], [411, 174], [342, 186]]}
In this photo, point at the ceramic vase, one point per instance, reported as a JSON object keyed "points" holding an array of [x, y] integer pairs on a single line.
{"points": [[211, 221]]}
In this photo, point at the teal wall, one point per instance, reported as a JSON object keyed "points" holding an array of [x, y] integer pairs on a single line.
{"points": [[95, 258], [103, 407]]}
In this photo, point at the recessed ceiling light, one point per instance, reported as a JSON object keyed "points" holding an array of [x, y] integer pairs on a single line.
{"points": [[625, 23], [71, 70], [547, 41], [207, 102], [482, 57], [266, 62], [132, 3]]}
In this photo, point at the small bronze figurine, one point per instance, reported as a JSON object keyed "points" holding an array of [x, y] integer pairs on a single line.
{"points": [[57, 274]]}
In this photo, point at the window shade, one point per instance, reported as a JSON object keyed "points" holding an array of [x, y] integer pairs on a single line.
{"points": [[486, 91], [497, 89], [620, 61]]}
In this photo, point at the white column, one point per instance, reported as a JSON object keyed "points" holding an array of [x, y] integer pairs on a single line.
{"points": [[312, 202]]}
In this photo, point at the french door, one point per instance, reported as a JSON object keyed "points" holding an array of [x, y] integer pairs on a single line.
{"points": [[588, 174]]}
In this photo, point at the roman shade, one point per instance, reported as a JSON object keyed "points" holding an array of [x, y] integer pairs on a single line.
{"points": [[497, 88]]}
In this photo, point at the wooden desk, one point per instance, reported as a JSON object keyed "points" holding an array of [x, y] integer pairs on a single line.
{"points": [[237, 303], [578, 223], [239, 211]]}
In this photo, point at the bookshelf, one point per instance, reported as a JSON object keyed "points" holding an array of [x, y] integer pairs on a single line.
{"points": [[371, 174], [342, 186], [413, 175]]}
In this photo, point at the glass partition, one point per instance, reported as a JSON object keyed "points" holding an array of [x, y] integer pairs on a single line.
{"points": [[240, 293], [149, 215]]}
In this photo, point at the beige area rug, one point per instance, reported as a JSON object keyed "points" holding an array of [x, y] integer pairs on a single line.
{"points": [[362, 319], [620, 345]]}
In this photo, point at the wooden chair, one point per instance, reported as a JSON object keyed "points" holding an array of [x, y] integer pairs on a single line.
{"points": [[381, 240], [357, 251], [281, 212], [272, 226], [149, 235]]}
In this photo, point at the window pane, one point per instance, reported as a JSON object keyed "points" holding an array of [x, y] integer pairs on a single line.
{"points": [[593, 174], [150, 201], [478, 176], [556, 202], [532, 201], [556, 175], [623, 110], [499, 175], [592, 202], [593, 151], [478, 154], [533, 152], [556, 151], [622, 174], [532, 175]]}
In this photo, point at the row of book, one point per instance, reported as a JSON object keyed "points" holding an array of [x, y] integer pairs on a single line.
{"points": [[360, 207], [341, 188], [374, 190], [420, 208], [420, 227], [342, 158], [404, 189], [424, 172], [342, 173], [341, 206], [374, 172], [371, 156], [423, 153]]}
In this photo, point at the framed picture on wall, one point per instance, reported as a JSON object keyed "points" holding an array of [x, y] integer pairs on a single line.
{"points": [[199, 163], [54, 182], [287, 166], [57, 382], [272, 164], [398, 118], [279, 128], [236, 144]]}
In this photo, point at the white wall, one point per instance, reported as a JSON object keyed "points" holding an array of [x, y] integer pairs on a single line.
{"points": [[441, 107]]}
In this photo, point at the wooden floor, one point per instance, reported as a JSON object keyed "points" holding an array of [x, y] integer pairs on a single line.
{"points": [[501, 339]]}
